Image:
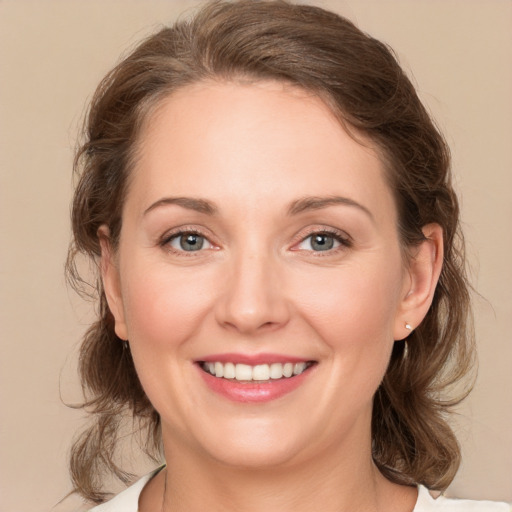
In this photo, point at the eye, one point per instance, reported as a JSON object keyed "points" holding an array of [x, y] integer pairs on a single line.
{"points": [[323, 241], [188, 242]]}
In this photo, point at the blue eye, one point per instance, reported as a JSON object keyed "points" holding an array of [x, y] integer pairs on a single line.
{"points": [[322, 242], [189, 242]]}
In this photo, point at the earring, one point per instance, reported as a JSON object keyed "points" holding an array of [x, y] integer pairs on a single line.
{"points": [[408, 326]]}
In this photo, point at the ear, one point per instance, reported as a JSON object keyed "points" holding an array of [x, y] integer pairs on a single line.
{"points": [[111, 281], [423, 273]]}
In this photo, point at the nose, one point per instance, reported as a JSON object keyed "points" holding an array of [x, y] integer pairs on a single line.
{"points": [[253, 298]]}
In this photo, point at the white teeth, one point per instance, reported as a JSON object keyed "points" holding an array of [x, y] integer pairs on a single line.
{"points": [[288, 370], [299, 368], [229, 371], [243, 372], [260, 372], [276, 371], [219, 370]]}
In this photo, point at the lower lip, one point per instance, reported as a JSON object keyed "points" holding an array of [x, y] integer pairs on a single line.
{"points": [[264, 391]]}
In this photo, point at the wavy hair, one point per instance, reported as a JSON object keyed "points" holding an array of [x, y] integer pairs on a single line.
{"points": [[360, 79]]}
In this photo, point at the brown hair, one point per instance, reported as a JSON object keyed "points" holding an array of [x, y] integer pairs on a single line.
{"points": [[361, 81]]}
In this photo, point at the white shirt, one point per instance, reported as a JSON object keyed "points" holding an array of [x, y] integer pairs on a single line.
{"points": [[128, 501]]}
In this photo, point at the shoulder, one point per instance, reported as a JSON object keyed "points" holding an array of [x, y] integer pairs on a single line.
{"points": [[427, 503], [127, 500]]}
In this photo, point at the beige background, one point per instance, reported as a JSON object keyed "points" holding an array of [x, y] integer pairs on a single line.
{"points": [[53, 53]]}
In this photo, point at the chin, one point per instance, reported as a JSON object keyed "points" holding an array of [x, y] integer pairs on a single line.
{"points": [[255, 446], [254, 456]]}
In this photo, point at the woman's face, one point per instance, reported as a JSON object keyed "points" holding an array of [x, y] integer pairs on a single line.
{"points": [[258, 238]]}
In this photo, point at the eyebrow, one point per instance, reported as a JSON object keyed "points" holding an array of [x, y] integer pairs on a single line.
{"points": [[298, 206], [198, 205], [317, 203]]}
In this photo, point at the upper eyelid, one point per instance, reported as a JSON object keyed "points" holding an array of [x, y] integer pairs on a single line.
{"points": [[182, 230], [335, 232]]}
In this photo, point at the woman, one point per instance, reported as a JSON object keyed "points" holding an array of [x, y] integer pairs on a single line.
{"points": [[283, 300]]}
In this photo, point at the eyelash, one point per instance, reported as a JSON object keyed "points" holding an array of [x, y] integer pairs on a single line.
{"points": [[339, 236], [169, 237]]}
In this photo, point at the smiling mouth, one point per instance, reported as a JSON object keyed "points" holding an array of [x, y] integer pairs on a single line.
{"points": [[257, 373]]}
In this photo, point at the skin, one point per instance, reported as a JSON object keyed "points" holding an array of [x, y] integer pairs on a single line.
{"points": [[258, 286]]}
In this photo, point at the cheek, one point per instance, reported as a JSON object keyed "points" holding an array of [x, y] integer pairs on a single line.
{"points": [[164, 306], [352, 310], [350, 300]]}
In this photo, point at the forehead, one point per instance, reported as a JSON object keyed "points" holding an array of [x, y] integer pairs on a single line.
{"points": [[245, 141]]}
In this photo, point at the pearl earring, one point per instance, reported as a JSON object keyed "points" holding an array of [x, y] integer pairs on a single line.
{"points": [[408, 326]]}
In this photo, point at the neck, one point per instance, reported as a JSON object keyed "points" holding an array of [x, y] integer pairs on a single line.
{"points": [[284, 490], [332, 482]]}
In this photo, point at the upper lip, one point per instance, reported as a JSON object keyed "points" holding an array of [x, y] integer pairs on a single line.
{"points": [[252, 359]]}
